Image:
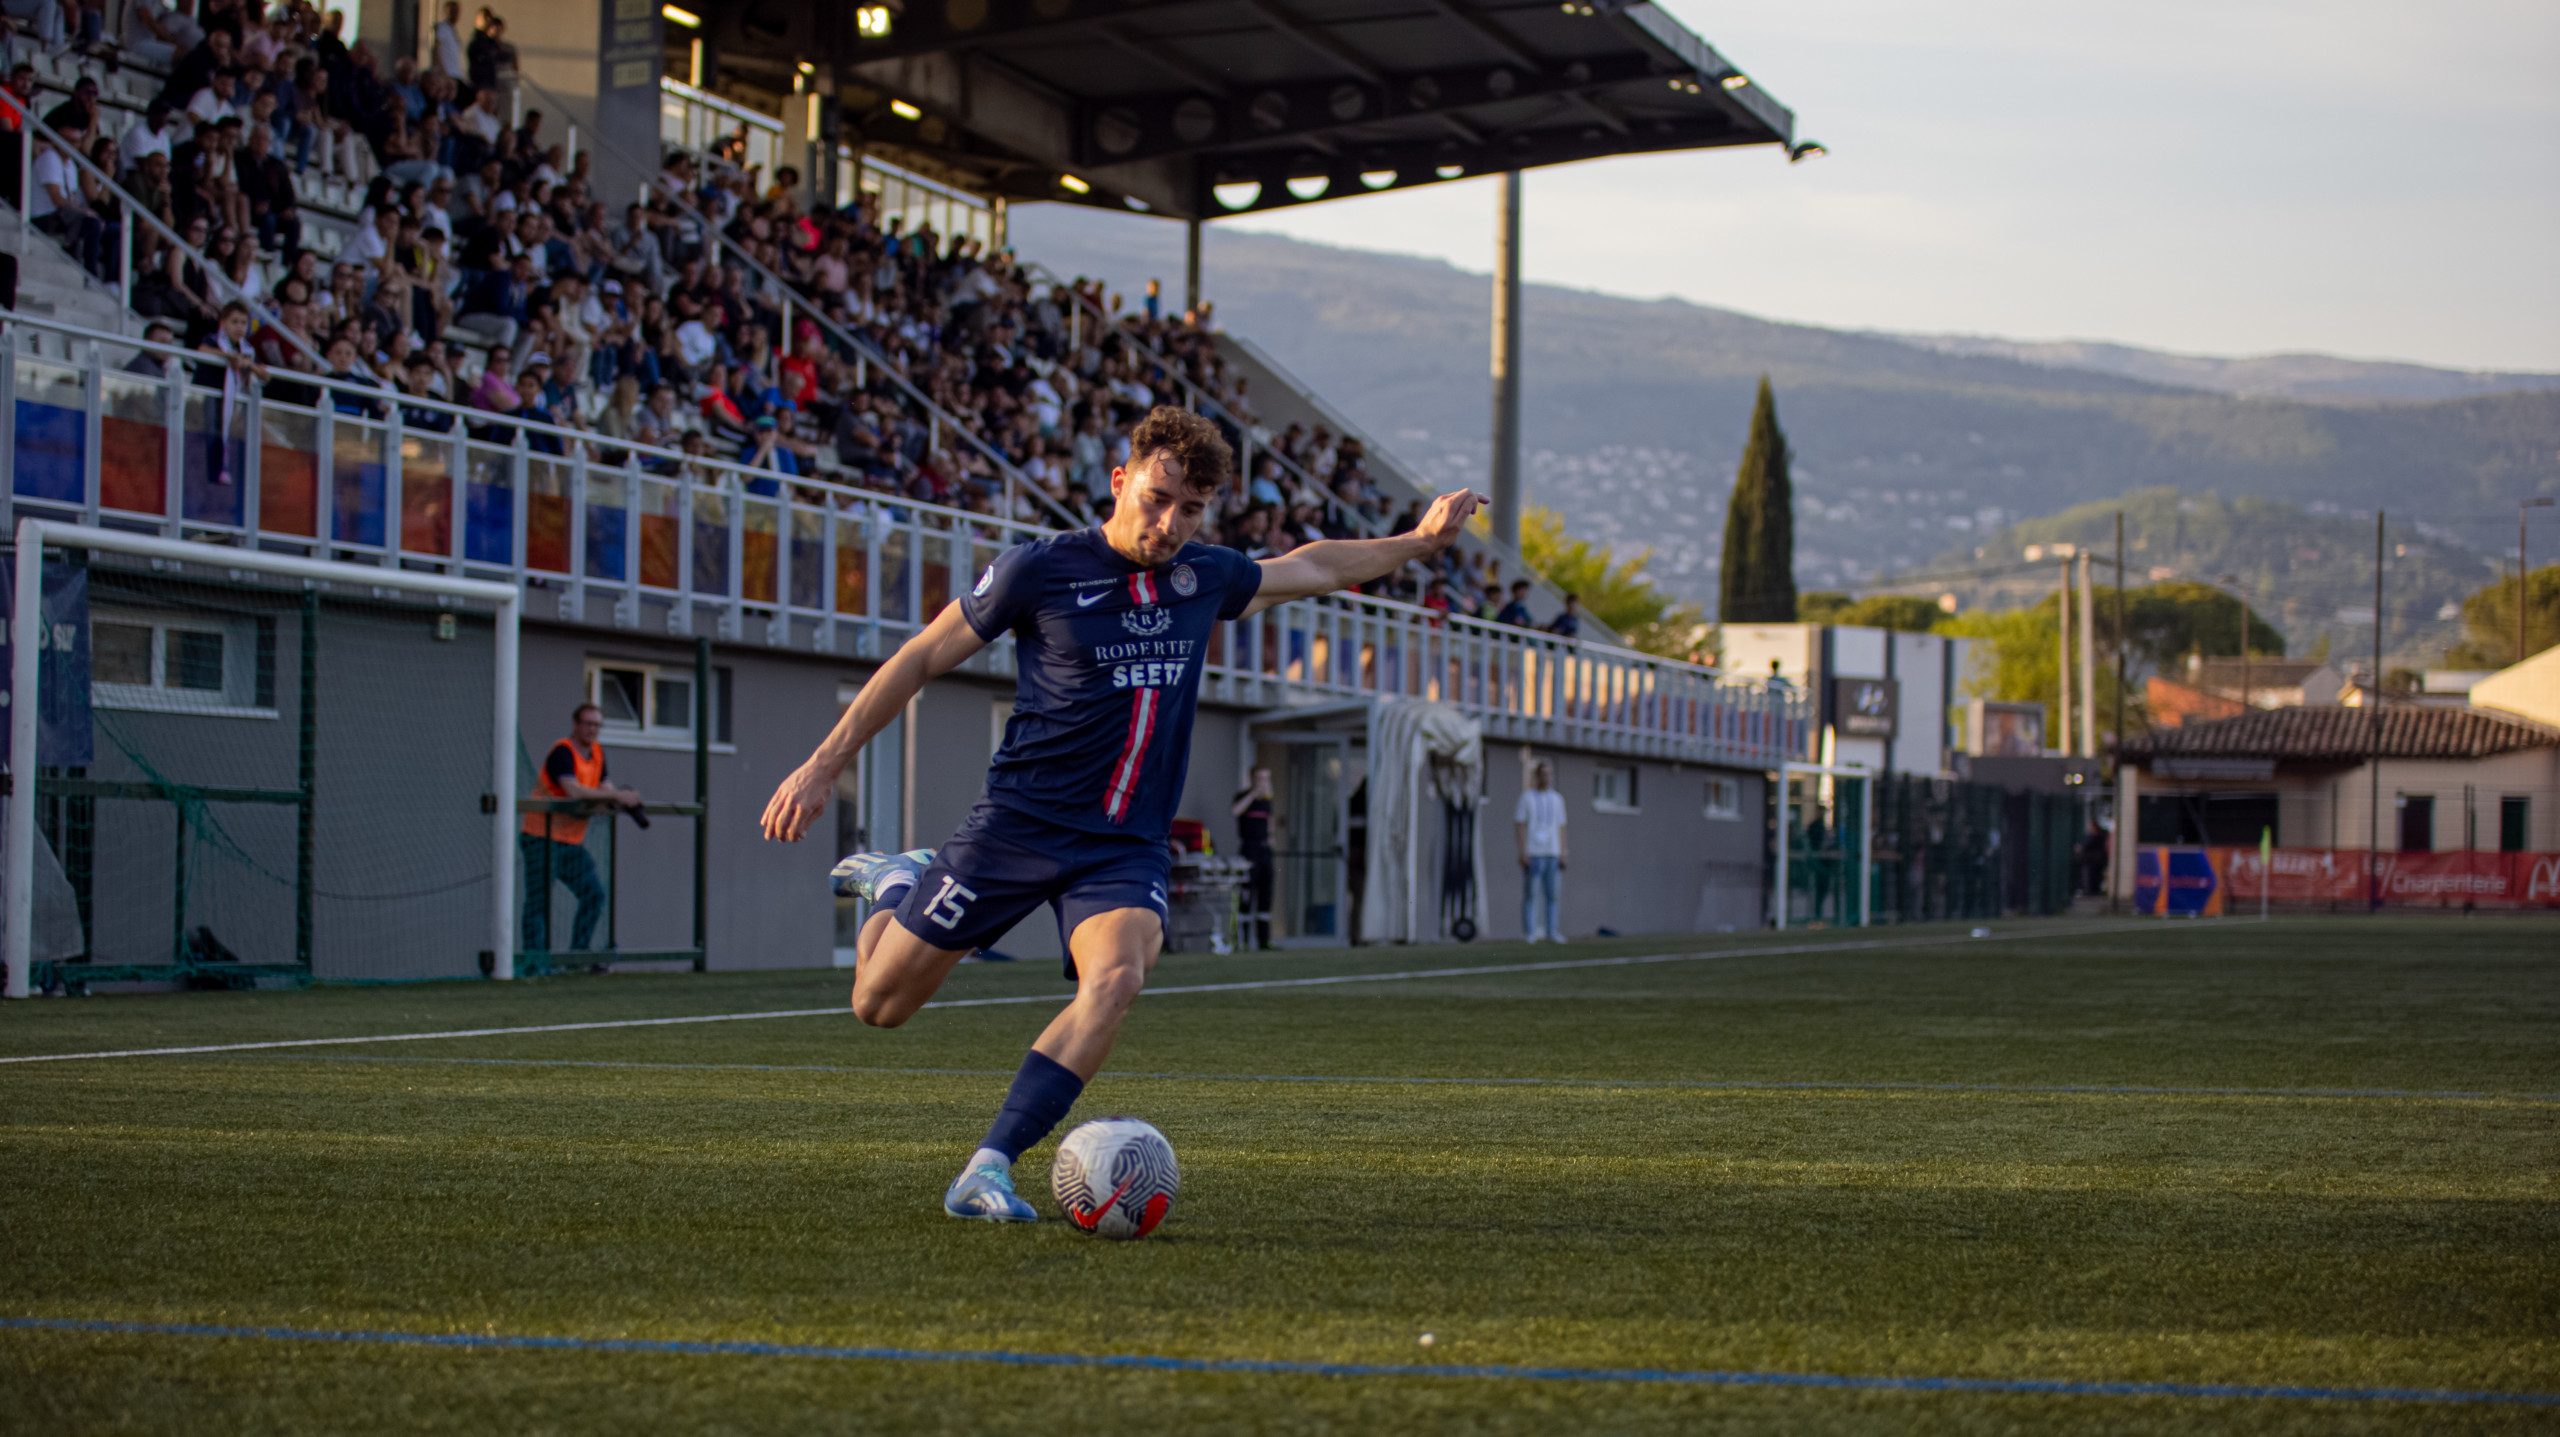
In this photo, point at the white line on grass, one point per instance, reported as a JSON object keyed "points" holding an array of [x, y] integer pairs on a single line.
{"points": [[1809, 1085], [1549, 966]]}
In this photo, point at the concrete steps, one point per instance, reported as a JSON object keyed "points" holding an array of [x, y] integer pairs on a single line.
{"points": [[52, 284]]}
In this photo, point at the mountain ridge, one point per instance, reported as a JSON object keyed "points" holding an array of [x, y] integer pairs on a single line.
{"points": [[1635, 410]]}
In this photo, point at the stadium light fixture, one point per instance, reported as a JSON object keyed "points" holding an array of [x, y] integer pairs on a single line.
{"points": [[1450, 172], [1239, 195], [1377, 179], [1074, 185], [871, 22], [905, 111], [1308, 187], [681, 16], [1735, 82], [1797, 153]]}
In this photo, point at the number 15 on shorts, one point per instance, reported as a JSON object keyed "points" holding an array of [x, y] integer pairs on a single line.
{"points": [[947, 906]]}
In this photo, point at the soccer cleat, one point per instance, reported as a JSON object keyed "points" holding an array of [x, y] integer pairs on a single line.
{"points": [[986, 1193], [865, 875]]}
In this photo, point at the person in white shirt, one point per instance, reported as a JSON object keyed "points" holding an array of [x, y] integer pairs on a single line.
{"points": [[153, 134], [372, 244], [216, 99], [1537, 822], [449, 57]]}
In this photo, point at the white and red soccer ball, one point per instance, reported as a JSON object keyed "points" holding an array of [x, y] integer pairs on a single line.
{"points": [[1115, 1177]]}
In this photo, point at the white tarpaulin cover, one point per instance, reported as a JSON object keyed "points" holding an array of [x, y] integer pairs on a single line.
{"points": [[1424, 758]]}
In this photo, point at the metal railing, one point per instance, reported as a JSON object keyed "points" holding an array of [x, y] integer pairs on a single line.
{"points": [[132, 210], [809, 563]]}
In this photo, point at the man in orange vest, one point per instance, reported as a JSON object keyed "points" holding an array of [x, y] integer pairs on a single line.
{"points": [[555, 844]]}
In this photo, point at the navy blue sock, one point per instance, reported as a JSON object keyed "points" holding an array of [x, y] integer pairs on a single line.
{"points": [[1041, 1094]]}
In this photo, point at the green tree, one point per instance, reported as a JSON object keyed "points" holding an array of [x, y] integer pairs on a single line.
{"points": [[1615, 591], [1758, 582], [2017, 659], [2020, 657], [1910, 614], [1823, 606], [2489, 621], [2166, 622]]}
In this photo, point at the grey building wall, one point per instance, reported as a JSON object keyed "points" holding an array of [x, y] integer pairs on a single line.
{"points": [[400, 845], [1665, 868]]}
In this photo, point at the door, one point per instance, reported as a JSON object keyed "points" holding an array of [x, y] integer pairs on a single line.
{"points": [[1308, 839]]}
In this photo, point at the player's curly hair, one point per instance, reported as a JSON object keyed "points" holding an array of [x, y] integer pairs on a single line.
{"points": [[1195, 443]]}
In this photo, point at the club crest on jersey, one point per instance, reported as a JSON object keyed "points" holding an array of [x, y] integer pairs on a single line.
{"points": [[1185, 582], [986, 581], [1147, 623]]}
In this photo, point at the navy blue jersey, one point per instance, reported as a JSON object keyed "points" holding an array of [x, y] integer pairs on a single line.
{"points": [[1108, 657]]}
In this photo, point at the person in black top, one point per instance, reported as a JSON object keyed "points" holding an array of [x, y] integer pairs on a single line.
{"points": [[1569, 623], [1516, 612], [1253, 841]]}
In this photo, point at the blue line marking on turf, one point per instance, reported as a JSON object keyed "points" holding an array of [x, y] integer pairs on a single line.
{"points": [[2027, 1386], [1707, 1084]]}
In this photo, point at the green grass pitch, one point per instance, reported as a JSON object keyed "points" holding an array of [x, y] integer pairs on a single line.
{"points": [[1749, 1173]]}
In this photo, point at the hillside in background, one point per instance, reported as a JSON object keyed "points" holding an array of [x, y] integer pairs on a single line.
{"points": [[2316, 378], [1635, 410], [2309, 573]]}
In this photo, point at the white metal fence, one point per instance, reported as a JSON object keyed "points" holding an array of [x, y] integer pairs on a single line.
{"points": [[114, 433]]}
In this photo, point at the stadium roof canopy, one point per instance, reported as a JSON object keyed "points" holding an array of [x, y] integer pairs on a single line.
{"points": [[1196, 109]]}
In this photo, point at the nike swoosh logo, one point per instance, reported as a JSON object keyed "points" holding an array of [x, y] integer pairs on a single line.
{"points": [[1092, 1217], [1087, 601]]}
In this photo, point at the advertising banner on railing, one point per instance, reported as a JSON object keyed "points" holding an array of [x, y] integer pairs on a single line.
{"points": [[2206, 881]]}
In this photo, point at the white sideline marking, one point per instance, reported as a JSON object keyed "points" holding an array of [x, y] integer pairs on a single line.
{"points": [[1549, 966]]}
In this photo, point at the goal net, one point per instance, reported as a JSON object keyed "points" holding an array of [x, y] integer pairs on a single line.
{"points": [[237, 768]]}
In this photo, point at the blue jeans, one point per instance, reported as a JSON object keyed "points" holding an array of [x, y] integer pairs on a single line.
{"points": [[1543, 877], [569, 865]]}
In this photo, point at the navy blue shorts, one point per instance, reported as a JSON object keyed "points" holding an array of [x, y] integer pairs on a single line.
{"points": [[1003, 863]]}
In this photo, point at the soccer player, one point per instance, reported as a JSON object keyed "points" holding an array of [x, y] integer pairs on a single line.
{"points": [[1111, 626]]}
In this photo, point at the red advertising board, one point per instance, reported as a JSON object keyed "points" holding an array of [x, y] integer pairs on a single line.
{"points": [[2413, 880]]}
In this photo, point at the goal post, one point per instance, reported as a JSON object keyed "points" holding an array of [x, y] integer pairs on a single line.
{"points": [[197, 660]]}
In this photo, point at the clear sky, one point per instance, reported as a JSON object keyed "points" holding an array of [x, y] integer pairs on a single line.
{"points": [[2372, 178]]}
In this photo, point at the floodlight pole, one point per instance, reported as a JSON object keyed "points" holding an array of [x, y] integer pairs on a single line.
{"points": [[1191, 268], [1506, 364], [2523, 590]]}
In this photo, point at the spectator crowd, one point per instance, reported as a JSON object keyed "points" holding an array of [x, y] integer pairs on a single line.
{"points": [[484, 271]]}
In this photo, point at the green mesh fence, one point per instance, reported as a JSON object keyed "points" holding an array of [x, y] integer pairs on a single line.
{"points": [[286, 783]]}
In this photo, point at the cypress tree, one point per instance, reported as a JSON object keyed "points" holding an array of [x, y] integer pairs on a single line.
{"points": [[1758, 583]]}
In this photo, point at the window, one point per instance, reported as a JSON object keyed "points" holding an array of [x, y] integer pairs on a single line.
{"points": [[652, 705], [182, 663], [1613, 788], [2514, 813], [1724, 798], [2417, 823]]}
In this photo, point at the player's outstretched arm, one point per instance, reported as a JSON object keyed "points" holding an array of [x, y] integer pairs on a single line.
{"points": [[1337, 564], [945, 644]]}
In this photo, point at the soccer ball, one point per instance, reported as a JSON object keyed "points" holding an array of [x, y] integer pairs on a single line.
{"points": [[1115, 1177]]}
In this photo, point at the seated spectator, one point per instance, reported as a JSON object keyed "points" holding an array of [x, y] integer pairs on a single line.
{"points": [[1568, 622], [56, 205], [158, 34], [156, 133], [274, 209], [219, 97], [1516, 612], [496, 308]]}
